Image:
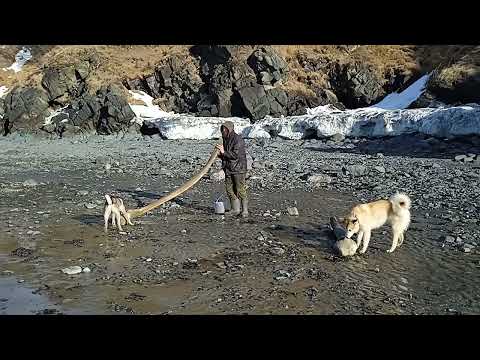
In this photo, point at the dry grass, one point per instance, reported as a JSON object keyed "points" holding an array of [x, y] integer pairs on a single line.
{"points": [[382, 58], [116, 63]]}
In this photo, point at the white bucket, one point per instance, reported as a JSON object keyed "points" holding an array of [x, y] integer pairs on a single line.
{"points": [[219, 207]]}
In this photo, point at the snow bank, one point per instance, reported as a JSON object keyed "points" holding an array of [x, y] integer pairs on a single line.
{"points": [[327, 121], [20, 59], [177, 127], [387, 118]]}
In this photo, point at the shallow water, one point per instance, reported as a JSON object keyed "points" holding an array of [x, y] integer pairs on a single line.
{"points": [[201, 263], [420, 277]]}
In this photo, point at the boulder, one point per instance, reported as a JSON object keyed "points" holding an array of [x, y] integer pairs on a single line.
{"points": [[115, 113], [24, 109], [63, 83], [254, 102], [269, 67], [357, 84]]}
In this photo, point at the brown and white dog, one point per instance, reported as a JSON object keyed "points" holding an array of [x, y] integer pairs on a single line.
{"points": [[115, 208], [364, 218]]}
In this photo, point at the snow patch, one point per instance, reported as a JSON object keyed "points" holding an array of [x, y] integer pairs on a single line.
{"points": [[20, 59], [403, 100], [3, 91], [53, 113], [149, 111]]}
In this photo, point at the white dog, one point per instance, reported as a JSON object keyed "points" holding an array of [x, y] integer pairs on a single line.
{"points": [[114, 207], [364, 218]]}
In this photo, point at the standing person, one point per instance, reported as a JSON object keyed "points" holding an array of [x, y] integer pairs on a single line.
{"points": [[234, 164]]}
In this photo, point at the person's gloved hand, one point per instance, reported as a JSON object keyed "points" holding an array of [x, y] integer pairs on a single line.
{"points": [[220, 148]]}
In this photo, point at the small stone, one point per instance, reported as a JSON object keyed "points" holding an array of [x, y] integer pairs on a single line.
{"points": [[319, 179], [72, 270], [460, 157], [436, 165], [258, 165], [403, 288], [122, 233], [403, 280], [380, 156], [269, 165], [33, 233], [380, 169], [30, 182], [284, 273], [86, 270], [82, 193], [356, 170], [469, 159], [292, 211], [338, 137], [183, 231], [90, 206], [221, 265], [346, 247], [448, 239], [108, 166], [175, 263], [277, 251], [148, 260]]}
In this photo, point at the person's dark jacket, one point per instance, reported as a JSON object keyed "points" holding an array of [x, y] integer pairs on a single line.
{"points": [[234, 159]]}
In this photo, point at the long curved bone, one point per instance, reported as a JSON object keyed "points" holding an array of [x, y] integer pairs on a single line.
{"points": [[133, 213]]}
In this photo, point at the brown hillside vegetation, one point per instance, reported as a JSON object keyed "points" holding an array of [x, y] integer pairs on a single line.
{"points": [[116, 63]]}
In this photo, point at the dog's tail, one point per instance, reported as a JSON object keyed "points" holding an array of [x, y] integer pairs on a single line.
{"points": [[109, 199], [400, 203]]}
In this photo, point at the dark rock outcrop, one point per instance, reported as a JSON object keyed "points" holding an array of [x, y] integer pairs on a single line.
{"points": [[176, 84], [66, 83], [463, 90], [268, 66], [24, 109], [357, 85], [105, 113], [114, 114], [397, 80]]}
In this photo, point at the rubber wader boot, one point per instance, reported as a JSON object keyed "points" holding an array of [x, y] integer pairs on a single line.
{"points": [[245, 208], [235, 207]]}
